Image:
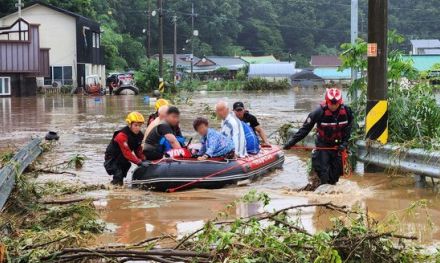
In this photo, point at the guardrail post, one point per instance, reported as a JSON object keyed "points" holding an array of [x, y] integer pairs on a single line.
{"points": [[420, 181]]}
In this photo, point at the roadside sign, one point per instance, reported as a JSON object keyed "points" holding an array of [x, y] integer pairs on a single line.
{"points": [[372, 50]]}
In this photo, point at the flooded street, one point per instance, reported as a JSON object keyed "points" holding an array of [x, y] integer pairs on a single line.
{"points": [[86, 125]]}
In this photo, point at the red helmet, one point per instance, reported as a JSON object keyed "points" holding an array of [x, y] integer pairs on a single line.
{"points": [[333, 96]]}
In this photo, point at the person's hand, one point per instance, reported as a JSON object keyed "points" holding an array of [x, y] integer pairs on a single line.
{"points": [[265, 145], [287, 146], [202, 158], [145, 163], [342, 147]]}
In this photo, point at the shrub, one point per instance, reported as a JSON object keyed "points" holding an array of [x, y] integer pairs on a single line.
{"points": [[259, 84]]}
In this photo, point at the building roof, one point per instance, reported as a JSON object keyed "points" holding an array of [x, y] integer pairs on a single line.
{"points": [[425, 43], [332, 73], [259, 59], [305, 75], [231, 63], [272, 70], [325, 61], [423, 62], [183, 60], [58, 9]]}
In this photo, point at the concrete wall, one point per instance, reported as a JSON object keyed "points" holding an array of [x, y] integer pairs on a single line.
{"points": [[57, 32]]}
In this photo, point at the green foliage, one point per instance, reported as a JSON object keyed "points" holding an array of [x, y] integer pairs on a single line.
{"points": [[413, 111], [147, 77], [31, 230], [259, 84], [5, 157], [279, 236], [77, 161]]}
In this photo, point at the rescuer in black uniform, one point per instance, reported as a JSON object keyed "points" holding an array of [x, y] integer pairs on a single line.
{"points": [[333, 121]]}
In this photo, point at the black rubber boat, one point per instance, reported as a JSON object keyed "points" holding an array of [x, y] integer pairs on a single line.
{"points": [[173, 172]]}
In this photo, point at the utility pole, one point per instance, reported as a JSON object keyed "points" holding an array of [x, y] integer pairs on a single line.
{"points": [[160, 8], [354, 32], [175, 50], [192, 39], [376, 122], [149, 30]]}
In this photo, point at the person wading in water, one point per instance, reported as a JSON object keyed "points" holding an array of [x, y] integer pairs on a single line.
{"points": [[334, 121], [125, 148]]}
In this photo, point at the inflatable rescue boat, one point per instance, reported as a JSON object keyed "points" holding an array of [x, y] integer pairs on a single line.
{"points": [[181, 172]]}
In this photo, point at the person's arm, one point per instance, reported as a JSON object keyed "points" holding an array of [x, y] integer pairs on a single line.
{"points": [[262, 134], [202, 150], [122, 141], [347, 129], [140, 153], [305, 129], [173, 141]]}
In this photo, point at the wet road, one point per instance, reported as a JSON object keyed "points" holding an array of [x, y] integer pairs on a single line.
{"points": [[86, 124]]}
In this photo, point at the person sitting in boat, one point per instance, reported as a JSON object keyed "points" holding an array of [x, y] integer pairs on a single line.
{"points": [[162, 115], [163, 136], [232, 128], [125, 147], [214, 143], [159, 103], [244, 115]]}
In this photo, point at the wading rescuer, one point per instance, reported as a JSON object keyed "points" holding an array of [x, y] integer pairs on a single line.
{"points": [[333, 120], [125, 148]]}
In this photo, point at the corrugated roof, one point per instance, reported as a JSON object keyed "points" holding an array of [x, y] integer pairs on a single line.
{"points": [[231, 63], [423, 62], [259, 59], [332, 74], [325, 61], [425, 43], [272, 70]]}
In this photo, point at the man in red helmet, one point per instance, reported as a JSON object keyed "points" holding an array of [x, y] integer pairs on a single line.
{"points": [[333, 122]]}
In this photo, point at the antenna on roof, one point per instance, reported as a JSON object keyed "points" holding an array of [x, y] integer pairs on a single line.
{"points": [[19, 5]]}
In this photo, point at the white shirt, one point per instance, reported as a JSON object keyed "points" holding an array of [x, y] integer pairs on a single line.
{"points": [[232, 128]]}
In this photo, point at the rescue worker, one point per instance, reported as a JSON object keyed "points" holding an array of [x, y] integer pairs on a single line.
{"points": [[244, 115], [125, 148], [159, 103], [334, 121]]}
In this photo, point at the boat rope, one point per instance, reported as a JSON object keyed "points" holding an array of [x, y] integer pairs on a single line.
{"points": [[172, 190]]}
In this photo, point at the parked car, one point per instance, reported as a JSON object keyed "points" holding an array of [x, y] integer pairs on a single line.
{"points": [[121, 83]]}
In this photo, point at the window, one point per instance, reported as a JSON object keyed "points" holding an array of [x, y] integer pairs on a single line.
{"points": [[93, 39], [5, 86], [98, 40], [61, 74]]}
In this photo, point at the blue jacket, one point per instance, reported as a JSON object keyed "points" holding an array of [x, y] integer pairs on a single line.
{"points": [[215, 144]]}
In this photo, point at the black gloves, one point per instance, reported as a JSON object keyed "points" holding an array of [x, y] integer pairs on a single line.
{"points": [[288, 145]]}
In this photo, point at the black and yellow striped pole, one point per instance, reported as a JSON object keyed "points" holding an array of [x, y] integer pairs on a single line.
{"points": [[161, 85], [376, 122]]}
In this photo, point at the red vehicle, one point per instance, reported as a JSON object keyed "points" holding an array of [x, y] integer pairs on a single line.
{"points": [[93, 85]]}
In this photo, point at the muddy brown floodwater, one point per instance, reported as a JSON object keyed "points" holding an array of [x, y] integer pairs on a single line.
{"points": [[86, 124]]}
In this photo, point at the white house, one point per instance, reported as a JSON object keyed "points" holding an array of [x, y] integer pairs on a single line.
{"points": [[425, 46], [73, 40]]}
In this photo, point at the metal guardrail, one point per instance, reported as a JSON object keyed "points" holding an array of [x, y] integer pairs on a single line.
{"points": [[417, 161], [16, 166]]}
